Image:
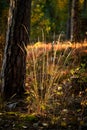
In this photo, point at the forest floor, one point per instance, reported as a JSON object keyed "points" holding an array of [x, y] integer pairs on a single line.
{"points": [[56, 90]]}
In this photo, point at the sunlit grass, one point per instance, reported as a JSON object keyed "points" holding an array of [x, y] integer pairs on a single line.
{"points": [[59, 46], [47, 67]]}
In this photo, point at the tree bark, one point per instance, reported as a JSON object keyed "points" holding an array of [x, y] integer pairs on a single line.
{"points": [[14, 63]]}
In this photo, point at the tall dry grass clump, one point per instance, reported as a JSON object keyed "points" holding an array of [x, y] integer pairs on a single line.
{"points": [[47, 68]]}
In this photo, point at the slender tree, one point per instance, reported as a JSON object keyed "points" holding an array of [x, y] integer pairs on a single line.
{"points": [[69, 20], [84, 20], [75, 21], [14, 63]]}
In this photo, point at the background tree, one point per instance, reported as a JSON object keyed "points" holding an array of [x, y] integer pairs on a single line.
{"points": [[14, 63], [75, 37], [68, 31], [83, 18]]}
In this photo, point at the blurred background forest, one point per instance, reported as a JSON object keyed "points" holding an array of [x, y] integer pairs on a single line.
{"points": [[49, 20], [52, 17]]}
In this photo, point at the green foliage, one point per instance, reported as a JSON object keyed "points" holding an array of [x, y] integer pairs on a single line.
{"points": [[29, 118], [51, 16], [48, 17], [39, 23]]}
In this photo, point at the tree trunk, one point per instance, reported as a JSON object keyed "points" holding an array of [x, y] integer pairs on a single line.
{"points": [[14, 63], [69, 20], [75, 21]]}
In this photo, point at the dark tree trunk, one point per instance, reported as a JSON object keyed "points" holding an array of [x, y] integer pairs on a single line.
{"points": [[69, 20], [75, 37], [14, 63], [84, 21]]}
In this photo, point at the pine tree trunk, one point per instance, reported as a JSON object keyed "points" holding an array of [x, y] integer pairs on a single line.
{"points": [[14, 63]]}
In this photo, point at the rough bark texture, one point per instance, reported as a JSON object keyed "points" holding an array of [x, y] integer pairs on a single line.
{"points": [[75, 21], [14, 63]]}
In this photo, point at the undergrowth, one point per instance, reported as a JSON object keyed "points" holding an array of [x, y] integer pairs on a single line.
{"points": [[56, 82], [48, 69]]}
